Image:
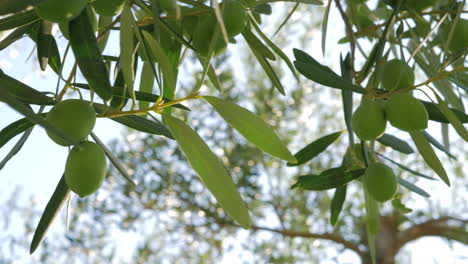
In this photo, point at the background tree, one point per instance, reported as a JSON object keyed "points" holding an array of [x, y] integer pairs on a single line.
{"points": [[288, 219]]}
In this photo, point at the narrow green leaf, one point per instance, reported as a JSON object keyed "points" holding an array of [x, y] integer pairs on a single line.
{"points": [[262, 9], [252, 127], [23, 92], [127, 48], [256, 45], [15, 35], [144, 125], [313, 149], [158, 54], [146, 83], [16, 148], [438, 145], [14, 129], [395, 143], [429, 155], [325, 25], [337, 202], [210, 169], [329, 179], [269, 72], [403, 167], [273, 46], [214, 78], [319, 73], [44, 39], [88, 56], [452, 118], [347, 95], [60, 195], [18, 20], [413, 187], [102, 39], [115, 161], [397, 204], [436, 115]]}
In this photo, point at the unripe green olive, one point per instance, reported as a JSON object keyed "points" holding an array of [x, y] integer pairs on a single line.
{"points": [[60, 10], [108, 7], [207, 29], [65, 29], [396, 74], [368, 120], [380, 181], [406, 112], [75, 118], [85, 168], [234, 17]]}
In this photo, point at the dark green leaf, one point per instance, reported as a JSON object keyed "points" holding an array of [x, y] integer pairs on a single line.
{"points": [[88, 56], [44, 42], [256, 45], [269, 71], [413, 187], [319, 73], [452, 118], [210, 169], [146, 83], [14, 129], [325, 25], [144, 125], [329, 179], [436, 115], [127, 48], [15, 35], [308, 2], [395, 143], [18, 20], [438, 145], [337, 203], [429, 156], [60, 195], [23, 92], [315, 148], [252, 127], [262, 9], [347, 95]]}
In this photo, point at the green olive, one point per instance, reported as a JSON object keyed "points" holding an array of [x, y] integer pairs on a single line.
{"points": [[108, 7], [85, 168], [75, 118], [396, 74], [206, 31], [234, 17], [406, 112], [368, 120], [60, 10], [380, 181]]}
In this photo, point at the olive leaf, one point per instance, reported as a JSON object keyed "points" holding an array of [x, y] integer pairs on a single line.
{"points": [[253, 128], [210, 169], [313, 149]]}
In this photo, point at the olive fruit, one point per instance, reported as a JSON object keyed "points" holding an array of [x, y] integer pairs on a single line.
{"points": [[234, 17], [75, 118], [396, 74], [459, 39], [407, 113], [108, 7], [60, 10], [206, 30], [368, 120], [380, 181], [85, 168]]}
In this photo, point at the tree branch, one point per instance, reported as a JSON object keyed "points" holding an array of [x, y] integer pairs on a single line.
{"points": [[447, 227]]}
